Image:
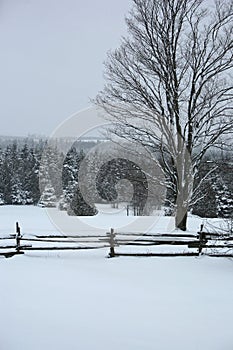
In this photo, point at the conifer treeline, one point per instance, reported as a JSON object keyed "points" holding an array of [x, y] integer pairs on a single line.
{"points": [[21, 165], [19, 169], [28, 175]]}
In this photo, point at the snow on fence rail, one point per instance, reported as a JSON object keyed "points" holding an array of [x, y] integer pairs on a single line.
{"points": [[211, 244]]}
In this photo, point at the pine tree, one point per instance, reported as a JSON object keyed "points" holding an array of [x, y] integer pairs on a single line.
{"points": [[217, 191], [10, 174], [48, 198], [70, 176], [50, 169], [207, 205], [224, 199], [19, 182], [79, 207], [112, 172]]}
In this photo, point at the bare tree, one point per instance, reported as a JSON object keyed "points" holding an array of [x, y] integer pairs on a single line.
{"points": [[169, 85]]}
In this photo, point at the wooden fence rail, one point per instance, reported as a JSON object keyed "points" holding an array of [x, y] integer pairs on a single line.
{"points": [[200, 243]]}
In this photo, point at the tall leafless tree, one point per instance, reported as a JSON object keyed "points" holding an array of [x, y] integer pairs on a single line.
{"points": [[169, 85]]}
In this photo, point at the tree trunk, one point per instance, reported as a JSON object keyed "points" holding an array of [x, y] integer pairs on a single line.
{"points": [[181, 218]]}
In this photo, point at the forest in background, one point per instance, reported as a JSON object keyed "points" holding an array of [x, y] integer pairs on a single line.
{"points": [[21, 166]]}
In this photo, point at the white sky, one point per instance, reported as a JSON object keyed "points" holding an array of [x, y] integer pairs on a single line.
{"points": [[51, 58]]}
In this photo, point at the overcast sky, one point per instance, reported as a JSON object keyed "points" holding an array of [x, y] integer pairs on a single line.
{"points": [[51, 58]]}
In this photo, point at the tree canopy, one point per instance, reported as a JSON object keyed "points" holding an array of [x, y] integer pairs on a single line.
{"points": [[169, 85]]}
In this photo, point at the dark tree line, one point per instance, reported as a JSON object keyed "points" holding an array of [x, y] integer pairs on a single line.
{"points": [[122, 169], [215, 194], [28, 176], [21, 167]]}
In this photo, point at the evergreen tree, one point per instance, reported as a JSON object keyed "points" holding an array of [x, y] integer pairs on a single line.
{"points": [[224, 199], [79, 207], [216, 192], [48, 198], [118, 169], [50, 169], [19, 183], [70, 176], [10, 174]]}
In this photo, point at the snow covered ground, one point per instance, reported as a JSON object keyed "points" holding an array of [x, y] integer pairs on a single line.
{"points": [[81, 300], [50, 221]]}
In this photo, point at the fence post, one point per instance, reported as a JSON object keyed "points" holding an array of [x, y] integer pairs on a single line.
{"points": [[18, 236], [112, 243], [202, 239]]}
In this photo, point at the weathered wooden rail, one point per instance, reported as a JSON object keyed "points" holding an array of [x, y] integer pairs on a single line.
{"points": [[197, 244]]}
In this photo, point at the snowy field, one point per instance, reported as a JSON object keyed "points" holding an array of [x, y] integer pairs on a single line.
{"points": [[35, 220], [81, 300]]}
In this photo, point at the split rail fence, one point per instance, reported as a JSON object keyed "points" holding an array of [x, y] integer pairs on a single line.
{"points": [[211, 244]]}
